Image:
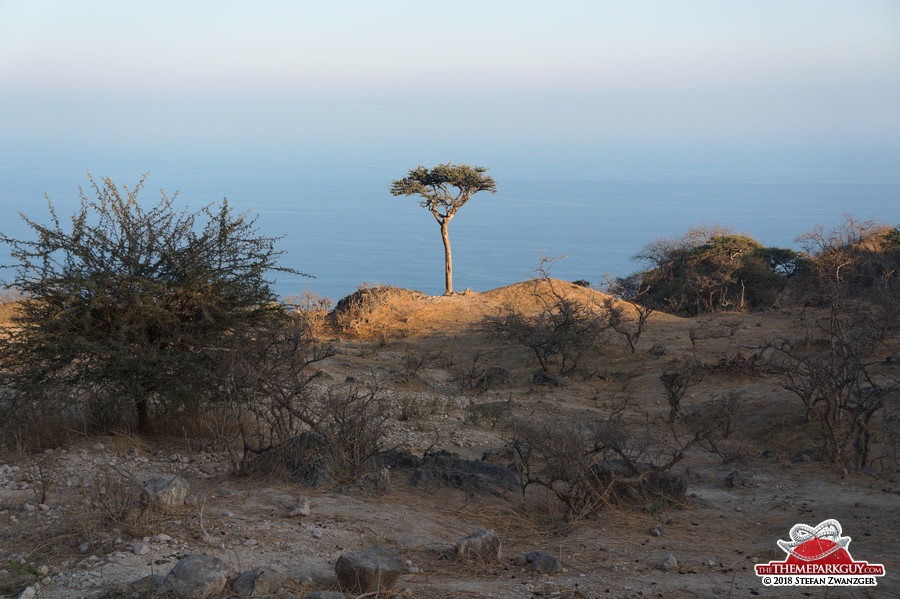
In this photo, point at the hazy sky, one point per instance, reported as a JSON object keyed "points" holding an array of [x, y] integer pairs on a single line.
{"points": [[562, 70]]}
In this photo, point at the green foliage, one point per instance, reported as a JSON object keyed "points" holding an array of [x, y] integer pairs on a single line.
{"points": [[128, 305], [711, 269], [444, 189], [892, 238]]}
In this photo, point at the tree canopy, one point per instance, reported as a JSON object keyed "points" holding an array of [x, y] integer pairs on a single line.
{"points": [[444, 189], [126, 304]]}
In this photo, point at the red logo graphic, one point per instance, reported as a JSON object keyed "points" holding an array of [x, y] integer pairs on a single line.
{"points": [[818, 557]]}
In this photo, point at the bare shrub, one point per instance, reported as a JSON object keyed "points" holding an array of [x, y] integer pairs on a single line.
{"points": [[586, 464], [412, 362], [310, 311], [681, 375], [352, 423], [469, 372], [42, 475], [629, 290], [275, 411], [708, 329], [837, 389], [713, 421], [492, 412], [267, 375], [114, 497], [562, 334], [629, 327]]}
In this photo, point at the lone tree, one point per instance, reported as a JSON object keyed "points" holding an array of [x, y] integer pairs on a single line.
{"points": [[444, 189], [127, 308]]}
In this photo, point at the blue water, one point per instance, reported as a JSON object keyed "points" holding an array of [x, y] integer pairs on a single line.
{"points": [[596, 206]]}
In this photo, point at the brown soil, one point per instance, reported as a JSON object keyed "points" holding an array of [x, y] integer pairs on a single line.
{"points": [[716, 535]]}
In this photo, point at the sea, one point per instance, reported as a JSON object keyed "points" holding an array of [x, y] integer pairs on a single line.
{"points": [[592, 206]]}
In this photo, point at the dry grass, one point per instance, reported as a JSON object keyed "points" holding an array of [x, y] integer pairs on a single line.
{"points": [[10, 302]]}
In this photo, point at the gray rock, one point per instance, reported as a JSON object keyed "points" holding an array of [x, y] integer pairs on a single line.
{"points": [[447, 469], [373, 569], [542, 562], [378, 483], [140, 549], [657, 531], [303, 509], [482, 544], [263, 580], [166, 490], [244, 583], [548, 380], [735, 479], [147, 584], [669, 563], [195, 577], [28, 593], [325, 595]]}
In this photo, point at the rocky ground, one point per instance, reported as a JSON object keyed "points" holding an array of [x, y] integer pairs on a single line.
{"points": [[69, 526]]}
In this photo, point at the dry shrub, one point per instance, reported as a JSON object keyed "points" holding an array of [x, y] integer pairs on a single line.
{"points": [[310, 311], [359, 314], [560, 337], [586, 464], [832, 374], [42, 475], [267, 376], [276, 412], [114, 499], [681, 375], [10, 302]]}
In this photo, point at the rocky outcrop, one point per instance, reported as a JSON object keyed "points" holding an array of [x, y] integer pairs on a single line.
{"points": [[367, 570]]}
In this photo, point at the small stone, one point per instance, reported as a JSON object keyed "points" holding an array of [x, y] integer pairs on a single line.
{"points": [[482, 544], [44, 507], [84, 547], [669, 563], [167, 490], [373, 569], [29, 507], [542, 562], [29, 593], [735, 479], [657, 531], [163, 538], [325, 594], [317, 535], [196, 577], [244, 583], [250, 543], [140, 549], [303, 509], [147, 583]]}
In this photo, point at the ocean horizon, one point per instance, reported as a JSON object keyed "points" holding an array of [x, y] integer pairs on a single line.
{"points": [[595, 206]]}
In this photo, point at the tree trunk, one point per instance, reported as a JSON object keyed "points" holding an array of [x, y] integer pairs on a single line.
{"points": [[143, 414], [448, 264]]}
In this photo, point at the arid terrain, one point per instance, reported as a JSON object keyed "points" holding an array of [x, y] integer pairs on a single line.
{"points": [[66, 528]]}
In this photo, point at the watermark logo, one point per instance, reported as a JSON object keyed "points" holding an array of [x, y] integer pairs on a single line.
{"points": [[818, 557]]}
